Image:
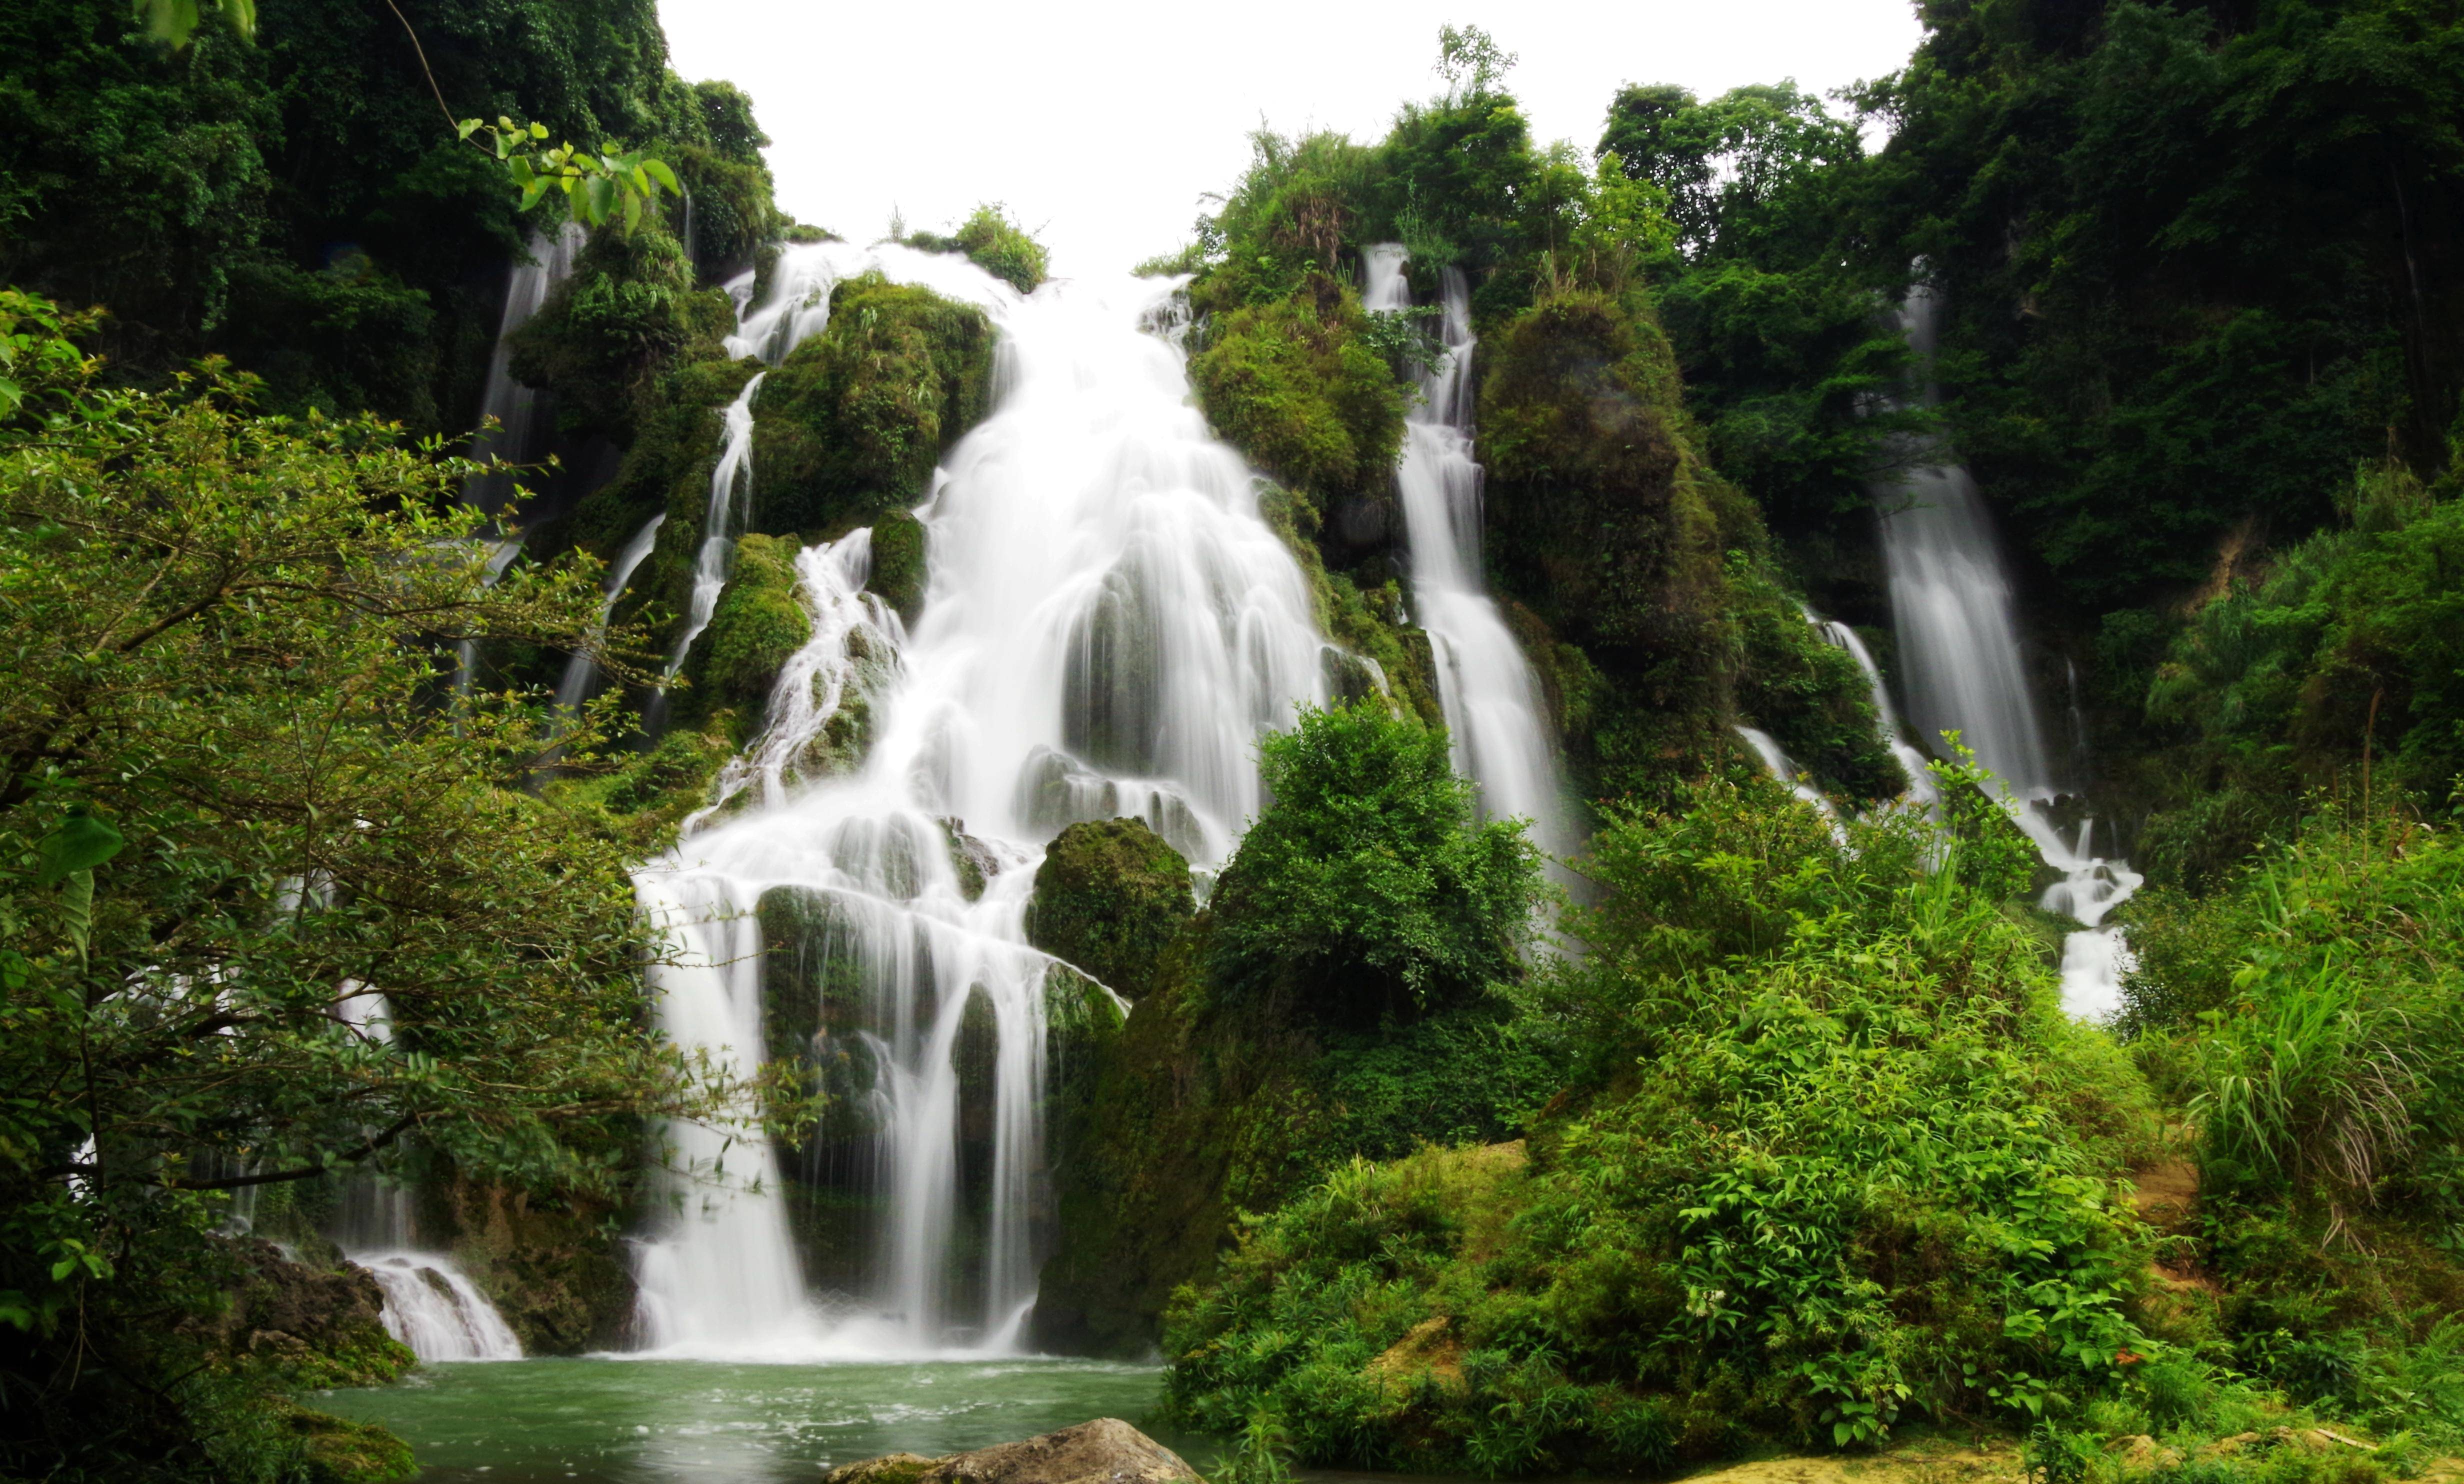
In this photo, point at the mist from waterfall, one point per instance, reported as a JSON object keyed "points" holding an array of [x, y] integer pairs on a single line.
{"points": [[1107, 628], [1961, 664], [1495, 712]]}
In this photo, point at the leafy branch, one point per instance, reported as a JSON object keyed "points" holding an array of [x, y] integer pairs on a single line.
{"points": [[598, 186]]}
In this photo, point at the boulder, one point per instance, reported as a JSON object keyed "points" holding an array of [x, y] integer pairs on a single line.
{"points": [[1107, 1451]]}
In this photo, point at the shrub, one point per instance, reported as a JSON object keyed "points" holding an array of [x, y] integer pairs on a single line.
{"points": [[1367, 889], [1296, 385], [995, 244], [1860, 1173]]}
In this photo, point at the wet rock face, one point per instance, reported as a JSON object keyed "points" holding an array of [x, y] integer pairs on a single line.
{"points": [[1107, 1451]]}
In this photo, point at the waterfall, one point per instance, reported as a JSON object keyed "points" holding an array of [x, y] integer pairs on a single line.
{"points": [[1108, 626], [1776, 763], [1958, 629], [1920, 789], [431, 1304], [518, 436], [1492, 702], [573, 687]]}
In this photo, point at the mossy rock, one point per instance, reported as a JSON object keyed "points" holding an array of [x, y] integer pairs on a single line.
{"points": [[897, 576], [849, 428], [1369, 623], [304, 1327], [1808, 692], [1110, 898], [756, 626], [338, 1450], [607, 333], [553, 1265], [1294, 385]]}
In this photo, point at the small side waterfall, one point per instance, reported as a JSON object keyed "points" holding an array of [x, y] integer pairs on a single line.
{"points": [[1912, 762], [1492, 702], [518, 431], [1960, 660], [1108, 626], [573, 687], [1777, 763], [431, 1304]]}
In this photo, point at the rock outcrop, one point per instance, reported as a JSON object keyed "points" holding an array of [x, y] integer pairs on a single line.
{"points": [[1107, 1451]]}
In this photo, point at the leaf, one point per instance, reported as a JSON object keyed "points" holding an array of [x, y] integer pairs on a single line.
{"points": [[466, 128], [600, 198], [657, 170], [539, 130], [81, 843]]}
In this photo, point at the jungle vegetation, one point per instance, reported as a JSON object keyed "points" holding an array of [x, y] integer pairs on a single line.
{"points": [[1782, 1140]]}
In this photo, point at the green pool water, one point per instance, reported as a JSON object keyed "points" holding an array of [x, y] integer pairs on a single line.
{"points": [[648, 1421]]}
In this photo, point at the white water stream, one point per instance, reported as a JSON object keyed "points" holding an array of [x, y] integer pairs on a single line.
{"points": [[573, 687], [1494, 710], [518, 431], [1960, 660], [431, 1304], [1107, 628]]}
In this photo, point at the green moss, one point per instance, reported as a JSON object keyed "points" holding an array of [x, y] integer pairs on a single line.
{"points": [[1806, 691], [338, 1450], [756, 626], [1110, 898], [1369, 624], [553, 1265], [607, 334], [1295, 385], [848, 428], [995, 244], [898, 573]]}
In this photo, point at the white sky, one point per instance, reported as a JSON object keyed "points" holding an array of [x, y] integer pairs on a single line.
{"points": [[1100, 123]]}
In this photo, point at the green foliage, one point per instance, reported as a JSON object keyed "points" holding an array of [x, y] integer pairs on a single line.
{"points": [[224, 634], [598, 188], [1858, 1172], [1299, 386], [2349, 646], [1771, 313], [851, 425], [1109, 899], [995, 244], [611, 328], [897, 572], [756, 626], [301, 204], [1366, 889]]}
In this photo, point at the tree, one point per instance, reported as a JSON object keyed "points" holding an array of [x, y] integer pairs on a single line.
{"points": [[237, 800]]}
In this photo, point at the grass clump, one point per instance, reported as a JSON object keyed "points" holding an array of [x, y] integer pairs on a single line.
{"points": [[994, 243]]}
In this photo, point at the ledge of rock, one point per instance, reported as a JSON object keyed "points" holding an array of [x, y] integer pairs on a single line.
{"points": [[1107, 1451]]}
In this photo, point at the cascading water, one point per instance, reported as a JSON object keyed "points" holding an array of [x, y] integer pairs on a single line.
{"points": [[515, 408], [573, 687], [1492, 702], [1960, 660], [1921, 789], [1107, 628], [431, 1304], [1776, 763]]}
